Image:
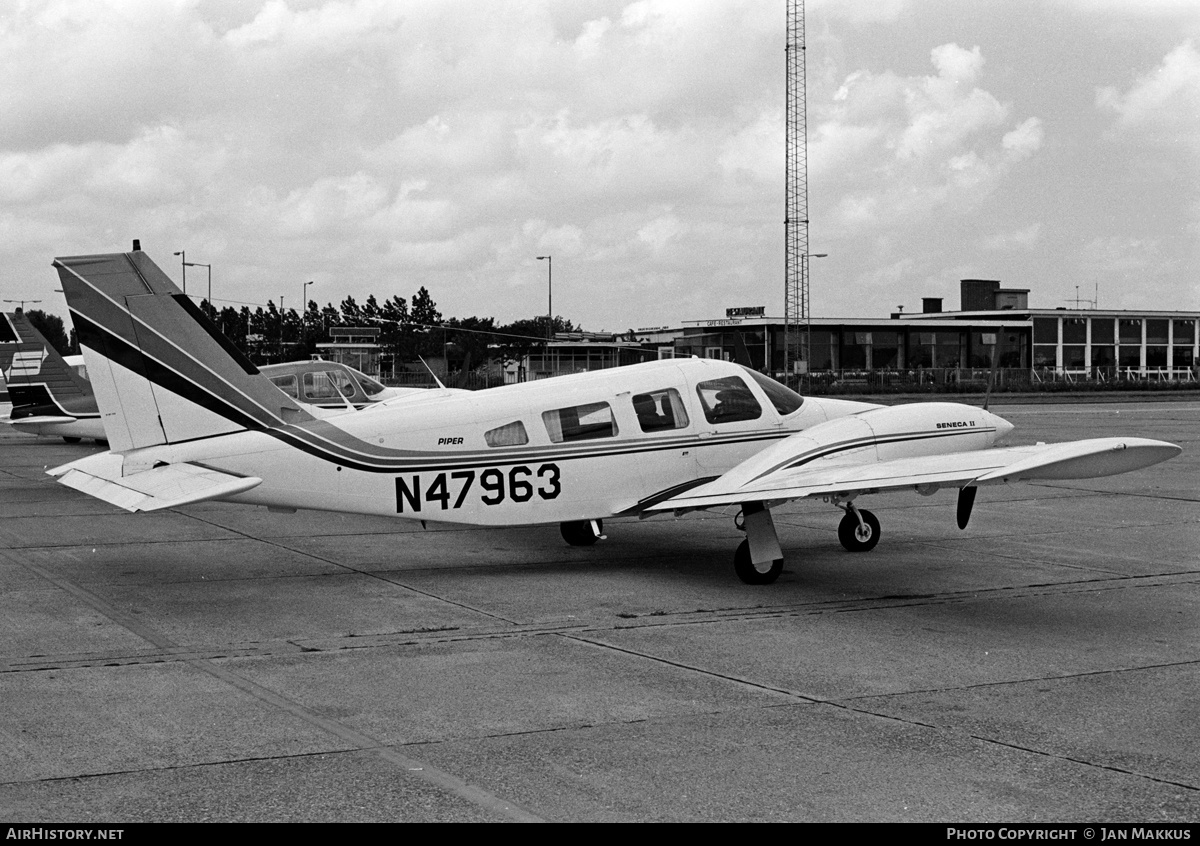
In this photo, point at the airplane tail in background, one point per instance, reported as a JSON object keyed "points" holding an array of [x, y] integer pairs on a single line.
{"points": [[161, 371], [39, 381]]}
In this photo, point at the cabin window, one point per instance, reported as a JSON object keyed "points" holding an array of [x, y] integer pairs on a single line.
{"points": [[782, 397], [287, 384], [510, 434], [660, 410], [728, 400], [580, 422]]}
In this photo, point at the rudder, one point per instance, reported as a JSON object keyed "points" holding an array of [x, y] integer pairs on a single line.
{"points": [[161, 371]]}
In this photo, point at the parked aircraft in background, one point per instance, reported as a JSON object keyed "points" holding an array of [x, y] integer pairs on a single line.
{"points": [[51, 394], [189, 419], [329, 384]]}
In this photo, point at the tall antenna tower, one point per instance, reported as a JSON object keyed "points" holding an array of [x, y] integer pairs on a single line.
{"points": [[795, 222]]}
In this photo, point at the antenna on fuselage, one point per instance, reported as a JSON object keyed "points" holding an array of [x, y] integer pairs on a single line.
{"points": [[431, 373]]}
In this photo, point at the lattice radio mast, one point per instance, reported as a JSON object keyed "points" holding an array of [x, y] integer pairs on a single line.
{"points": [[795, 222]]}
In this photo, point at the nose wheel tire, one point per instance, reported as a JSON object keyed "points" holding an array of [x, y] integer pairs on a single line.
{"points": [[748, 572], [856, 537]]}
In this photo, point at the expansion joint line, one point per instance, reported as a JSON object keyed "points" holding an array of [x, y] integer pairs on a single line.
{"points": [[356, 739]]}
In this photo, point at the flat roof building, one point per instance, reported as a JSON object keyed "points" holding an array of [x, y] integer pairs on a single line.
{"points": [[994, 325]]}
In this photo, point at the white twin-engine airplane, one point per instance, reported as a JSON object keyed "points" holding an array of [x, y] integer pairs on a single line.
{"points": [[189, 419]]}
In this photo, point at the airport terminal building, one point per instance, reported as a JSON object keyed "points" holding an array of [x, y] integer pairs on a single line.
{"points": [[995, 329], [1070, 344]]}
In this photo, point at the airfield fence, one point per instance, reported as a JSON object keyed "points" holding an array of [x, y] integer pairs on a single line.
{"points": [[953, 380]]}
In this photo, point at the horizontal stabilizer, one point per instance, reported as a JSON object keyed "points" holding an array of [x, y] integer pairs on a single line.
{"points": [[166, 486], [42, 420], [1075, 460]]}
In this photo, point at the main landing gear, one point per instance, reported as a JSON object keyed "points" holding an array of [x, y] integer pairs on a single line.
{"points": [[751, 573], [582, 532], [759, 558]]}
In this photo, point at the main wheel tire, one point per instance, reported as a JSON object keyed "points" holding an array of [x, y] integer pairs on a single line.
{"points": [[750, 574], [858, 538], [579, 532], [71, 440]]}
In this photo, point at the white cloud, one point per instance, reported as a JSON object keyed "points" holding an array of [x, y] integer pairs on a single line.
{"points": [[658, 232], [1024, 141], [1025, 238], [897, 149], [1162, 106]]}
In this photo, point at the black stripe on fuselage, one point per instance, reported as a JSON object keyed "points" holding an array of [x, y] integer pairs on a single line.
{"points": [[446, 463]]}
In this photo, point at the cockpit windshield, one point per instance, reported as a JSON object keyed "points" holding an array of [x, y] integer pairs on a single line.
{"points": [[370, 386], [785, 400]]}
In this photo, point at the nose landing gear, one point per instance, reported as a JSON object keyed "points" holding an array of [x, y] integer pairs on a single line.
{"points": [[859, 529]]}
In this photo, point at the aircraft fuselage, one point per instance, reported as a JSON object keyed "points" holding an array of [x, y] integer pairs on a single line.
{"points": [[579, 447]]}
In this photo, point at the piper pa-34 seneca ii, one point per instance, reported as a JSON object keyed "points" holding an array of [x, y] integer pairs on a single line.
{"points": [[190, 419]]}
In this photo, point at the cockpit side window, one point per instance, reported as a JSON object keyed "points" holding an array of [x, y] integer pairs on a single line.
{"points": [[660, 410], [782, 397], [287, 384], [318, 386], [728, 400], [510, 434], [580, 423], [342, 382]]}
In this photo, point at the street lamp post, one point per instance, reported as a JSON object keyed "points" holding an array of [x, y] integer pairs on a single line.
{"points": [[808, 318], [550, 294], [21, 307], [183, 259], [303, 306]]}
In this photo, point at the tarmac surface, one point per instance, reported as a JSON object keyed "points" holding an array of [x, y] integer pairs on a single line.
{"points": [[222, 663]]}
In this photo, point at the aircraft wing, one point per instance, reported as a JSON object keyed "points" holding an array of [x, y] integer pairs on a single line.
{"points": [[166, 486], [1074, 460]]}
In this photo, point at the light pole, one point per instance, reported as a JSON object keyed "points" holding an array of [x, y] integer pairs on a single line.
{"points": [[21, 307], [281, 327], [550, 294], [808, 319], [303, 306], [208, 267], [183, 258]]}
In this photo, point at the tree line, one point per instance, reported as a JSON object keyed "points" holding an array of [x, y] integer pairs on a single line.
{"points": [[408, 331]]}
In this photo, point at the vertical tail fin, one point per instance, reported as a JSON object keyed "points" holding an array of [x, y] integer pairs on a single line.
{"points": [[39, 381], [161, 371]]}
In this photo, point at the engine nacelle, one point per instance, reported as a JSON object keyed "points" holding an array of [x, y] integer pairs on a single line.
{"points": [[881, 434]]}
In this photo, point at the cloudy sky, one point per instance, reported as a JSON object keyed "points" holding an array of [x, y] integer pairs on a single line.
{"points": [[375, 146]]}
